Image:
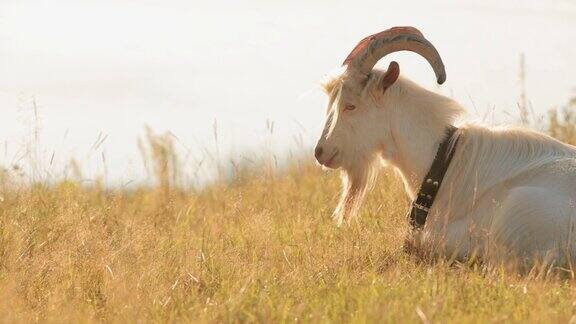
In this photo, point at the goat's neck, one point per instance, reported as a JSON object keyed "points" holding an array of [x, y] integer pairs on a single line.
{"points": [[415, 135]]}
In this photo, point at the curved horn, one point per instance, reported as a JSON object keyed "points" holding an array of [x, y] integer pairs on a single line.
{"points": [[372, 48]]}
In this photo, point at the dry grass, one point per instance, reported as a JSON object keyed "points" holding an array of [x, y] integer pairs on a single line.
{"points": [[261, 248]]}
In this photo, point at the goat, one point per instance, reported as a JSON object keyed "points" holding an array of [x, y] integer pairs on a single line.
{"points": [[507, 192]]}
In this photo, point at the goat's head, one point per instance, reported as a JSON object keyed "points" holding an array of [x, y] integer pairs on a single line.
{"points": [[357, 110]]}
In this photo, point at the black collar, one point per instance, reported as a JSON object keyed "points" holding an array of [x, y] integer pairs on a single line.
{"points": [[431, 183]]}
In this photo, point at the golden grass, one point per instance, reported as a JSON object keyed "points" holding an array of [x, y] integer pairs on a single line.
{"points": [[262, 248]]}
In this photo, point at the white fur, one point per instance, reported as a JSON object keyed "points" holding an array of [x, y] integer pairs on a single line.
{"points": [[508, 191]]}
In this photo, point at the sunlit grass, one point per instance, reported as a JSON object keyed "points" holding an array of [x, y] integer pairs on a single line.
{"points": [[261, 247]]}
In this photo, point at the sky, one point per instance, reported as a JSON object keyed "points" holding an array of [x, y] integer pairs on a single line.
{"points": [[76, 73]]}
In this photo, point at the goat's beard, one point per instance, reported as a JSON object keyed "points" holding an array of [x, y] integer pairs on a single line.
{"points": [[357, 180]]}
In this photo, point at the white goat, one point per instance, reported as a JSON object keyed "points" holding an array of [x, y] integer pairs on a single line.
{"points": [[505, 190]]}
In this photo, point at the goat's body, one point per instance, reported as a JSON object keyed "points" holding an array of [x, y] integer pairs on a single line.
{"points": [[508, 193]]}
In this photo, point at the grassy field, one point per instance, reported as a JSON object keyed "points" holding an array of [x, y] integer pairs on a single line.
{"points": [[260, 248]]}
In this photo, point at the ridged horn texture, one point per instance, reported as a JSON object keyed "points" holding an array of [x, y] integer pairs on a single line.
{"points": [[372, 48]]}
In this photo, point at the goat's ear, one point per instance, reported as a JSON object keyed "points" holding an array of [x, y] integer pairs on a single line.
{"points": [[390, 76]]}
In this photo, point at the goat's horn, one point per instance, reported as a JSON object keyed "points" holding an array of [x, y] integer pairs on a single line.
{"points": [[372, 48]]}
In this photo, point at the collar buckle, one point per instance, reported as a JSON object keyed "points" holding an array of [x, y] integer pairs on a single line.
{"points": [[421, 207]]}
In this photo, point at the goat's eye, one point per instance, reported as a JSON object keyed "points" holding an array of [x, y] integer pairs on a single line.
{"points": [[350, 107]]}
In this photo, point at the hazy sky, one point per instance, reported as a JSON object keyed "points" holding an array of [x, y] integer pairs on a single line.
{"points": [[111, 67]]}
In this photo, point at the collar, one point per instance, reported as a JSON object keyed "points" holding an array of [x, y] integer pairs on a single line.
{"points": [[431, 184]]}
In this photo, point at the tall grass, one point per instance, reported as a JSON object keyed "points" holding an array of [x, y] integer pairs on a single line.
{"points": [[265, 250], [562, 122], [256, 246]]}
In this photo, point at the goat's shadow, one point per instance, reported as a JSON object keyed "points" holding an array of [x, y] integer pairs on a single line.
{"points": [[536, 269]]}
